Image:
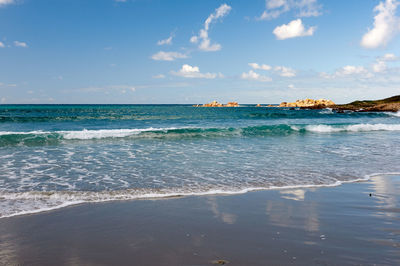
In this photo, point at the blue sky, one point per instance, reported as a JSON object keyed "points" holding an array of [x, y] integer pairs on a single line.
{"points": [[148, 51]]}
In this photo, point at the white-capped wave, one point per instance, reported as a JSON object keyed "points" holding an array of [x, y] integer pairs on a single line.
{"points": [[89, 134], [397, 114], [36, 132], [352, 128], [107, 133], [86, 134], [327, 111]]}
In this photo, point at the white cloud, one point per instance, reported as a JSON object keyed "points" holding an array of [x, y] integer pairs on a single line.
{"points": [[6, 2], [205, 42], [167, 41], [2, 45], [304, 8], [285, 71], [107, 89], [188, 71], [3, 100], [251, 75], [295, 28], [20, 44], [380, 64], [386, 25], [279, 70], [291, 86], [351, 70], [389, 57], [375, 69], [308, 8], [159, 76], [347, 71], [167, 56], [262, 67]]}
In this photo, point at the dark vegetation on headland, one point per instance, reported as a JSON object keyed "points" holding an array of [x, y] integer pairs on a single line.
{"points": [[391, 104]]}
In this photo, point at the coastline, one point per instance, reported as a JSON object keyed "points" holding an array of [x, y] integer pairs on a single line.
{"points": [[327, 225], [130, 195]]}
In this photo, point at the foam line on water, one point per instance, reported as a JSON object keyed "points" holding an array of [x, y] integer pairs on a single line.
{"points": [[352, 128], [397, 114], [68, 198], [107, 133]]}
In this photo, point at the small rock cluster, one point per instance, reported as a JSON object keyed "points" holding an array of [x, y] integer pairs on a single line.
{"points": [[217, 104], [308, 103]]}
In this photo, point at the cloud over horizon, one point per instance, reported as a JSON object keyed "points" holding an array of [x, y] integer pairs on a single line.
{"points": [[167, 56], [202, 38], [293, 29], [188, 71], [303, 8], [386, 25], [251, 75], [167, 41]]}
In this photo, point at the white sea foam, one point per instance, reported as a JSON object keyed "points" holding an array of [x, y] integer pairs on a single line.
{"points": [[107, 133], [36, 132], [397, 114], [90, 134], [37, 201], [121, 133], [327, 111], [352, 128]]}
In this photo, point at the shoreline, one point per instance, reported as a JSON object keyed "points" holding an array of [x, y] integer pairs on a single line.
{"points": [[303, 226], [153, 196]]}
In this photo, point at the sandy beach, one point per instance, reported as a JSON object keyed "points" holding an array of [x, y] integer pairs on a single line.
{"points": [[341, 225]]}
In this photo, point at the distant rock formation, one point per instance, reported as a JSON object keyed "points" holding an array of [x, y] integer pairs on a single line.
{"points": [[217, 104], [309, 103], [231, 104], [391, 104]]}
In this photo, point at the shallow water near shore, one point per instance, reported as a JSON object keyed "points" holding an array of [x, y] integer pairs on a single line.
{"points": [[53, 156]]}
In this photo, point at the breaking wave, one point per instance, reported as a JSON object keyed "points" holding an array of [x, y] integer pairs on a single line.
{"points": [[8, 138]]}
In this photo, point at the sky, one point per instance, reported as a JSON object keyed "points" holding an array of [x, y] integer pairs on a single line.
{"points": [[188, 52]]}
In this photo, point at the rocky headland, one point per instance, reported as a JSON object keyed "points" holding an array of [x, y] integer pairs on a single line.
{"points": [[391, 104]]}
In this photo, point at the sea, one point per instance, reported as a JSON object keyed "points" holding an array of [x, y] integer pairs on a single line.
{"points": [[52, 156]]}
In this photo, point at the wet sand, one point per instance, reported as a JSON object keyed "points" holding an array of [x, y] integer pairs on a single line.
{"points": [[326, 226]]}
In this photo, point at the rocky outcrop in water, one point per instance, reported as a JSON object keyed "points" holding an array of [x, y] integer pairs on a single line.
{"points": [[217, 104], [309, 103]]}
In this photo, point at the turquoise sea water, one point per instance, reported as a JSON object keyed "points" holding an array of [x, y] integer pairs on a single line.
{"points": [[57, 155]]}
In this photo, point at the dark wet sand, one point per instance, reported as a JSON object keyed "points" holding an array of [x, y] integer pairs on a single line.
{"points": [[325, 226]]}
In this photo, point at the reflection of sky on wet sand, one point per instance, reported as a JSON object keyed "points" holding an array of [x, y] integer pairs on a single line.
{"points": [[386, 190], [293, 194], [8, 255], [283, 214], [225, 217]]}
